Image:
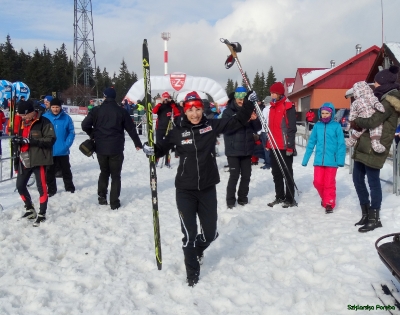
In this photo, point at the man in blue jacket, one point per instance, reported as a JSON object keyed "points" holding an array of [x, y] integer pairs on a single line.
{"points": [[65, 133]]}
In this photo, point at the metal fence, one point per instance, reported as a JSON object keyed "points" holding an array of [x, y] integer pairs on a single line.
{"points": [[394, 156]]}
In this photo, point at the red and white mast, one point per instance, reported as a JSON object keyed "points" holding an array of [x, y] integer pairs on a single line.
{"points": [[165, 36]]}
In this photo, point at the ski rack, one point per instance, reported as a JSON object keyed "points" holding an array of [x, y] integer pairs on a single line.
{"points": [[389, 253]]}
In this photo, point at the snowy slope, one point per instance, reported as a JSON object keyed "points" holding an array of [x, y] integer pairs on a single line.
{"points": [[87, 259]]}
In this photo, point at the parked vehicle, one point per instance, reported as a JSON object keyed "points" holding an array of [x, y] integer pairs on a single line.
{"points": [[342, 117]]}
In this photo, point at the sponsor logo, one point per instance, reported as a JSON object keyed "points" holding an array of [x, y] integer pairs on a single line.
{"points": [[204, 130], [23, 90], [8, 88], [187, 141], [186, 134], [177, 80]]}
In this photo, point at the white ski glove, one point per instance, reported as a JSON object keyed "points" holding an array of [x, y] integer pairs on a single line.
{"points": [[148, 150]]}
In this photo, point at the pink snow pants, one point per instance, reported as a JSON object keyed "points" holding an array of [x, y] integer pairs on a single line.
{"points": [[325, 183]]}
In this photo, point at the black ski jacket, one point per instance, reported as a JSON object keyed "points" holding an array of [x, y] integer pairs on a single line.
{"points": [[239, 142], [106, 124], [195, 145]]}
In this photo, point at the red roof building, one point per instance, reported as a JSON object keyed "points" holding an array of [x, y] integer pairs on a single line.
{"points": [[288, 84], [314, 86]]}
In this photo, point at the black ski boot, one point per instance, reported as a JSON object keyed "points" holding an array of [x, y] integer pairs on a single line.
{"points": [[30, 213], [192, 281], [275, 202], [40, 218], [364, 218], [373, 221], [288, 204], [102, 201], [328, 209]]}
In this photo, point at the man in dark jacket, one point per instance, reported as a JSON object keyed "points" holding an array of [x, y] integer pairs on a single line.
{"points": [[106, 125], [239, 147], [166, 111], [34, 138]]}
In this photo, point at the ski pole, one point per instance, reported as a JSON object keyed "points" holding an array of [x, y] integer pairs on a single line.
{"points": [[234, 48]]}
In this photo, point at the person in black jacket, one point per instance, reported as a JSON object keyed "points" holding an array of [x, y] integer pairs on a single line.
{"points": [[194, 137], [106, 125], [239, 147]]}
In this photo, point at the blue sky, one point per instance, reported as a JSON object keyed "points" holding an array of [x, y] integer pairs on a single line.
{"points": [[285, 34]]}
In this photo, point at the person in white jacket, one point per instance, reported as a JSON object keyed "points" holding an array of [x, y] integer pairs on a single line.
{"points": [[264, 135]]}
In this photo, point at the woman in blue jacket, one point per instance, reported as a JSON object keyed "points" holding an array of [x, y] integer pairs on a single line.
{"points": [[65, 133], [330, 151]]}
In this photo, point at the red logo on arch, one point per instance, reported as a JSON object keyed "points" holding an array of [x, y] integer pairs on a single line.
{"points": [[177, 80]]}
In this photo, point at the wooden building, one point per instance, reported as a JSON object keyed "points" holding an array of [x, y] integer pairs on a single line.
{"points": [[314, 86]]}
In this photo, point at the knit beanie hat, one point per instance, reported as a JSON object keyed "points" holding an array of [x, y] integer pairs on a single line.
{"points": [[110, 93], [240, 92], [192, 99], [25, 107], [326, 108], [277, 88], [48, 98], [387, 76], [55, 102], [166, 95]]}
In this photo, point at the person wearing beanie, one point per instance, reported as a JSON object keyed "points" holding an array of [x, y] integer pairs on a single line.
{"points": [[368, 162], [167, 111], [65, 133], [106, 124], [34, 141], [264, 133], [46, 101], [197, 174], [330, 151], [239, 147], [310, 116], [281, 143]]}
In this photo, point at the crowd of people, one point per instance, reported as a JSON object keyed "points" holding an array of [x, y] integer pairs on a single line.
{"points": [[44, 137]]}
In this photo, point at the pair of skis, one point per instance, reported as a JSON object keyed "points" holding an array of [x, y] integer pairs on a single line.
{"points": [[152, 159]]}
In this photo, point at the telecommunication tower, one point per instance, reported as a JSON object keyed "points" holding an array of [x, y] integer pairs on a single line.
{"points": [[165, 36], [84, 52]]}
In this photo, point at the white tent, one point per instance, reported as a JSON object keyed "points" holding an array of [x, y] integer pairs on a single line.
{"points": [[181, 83]]}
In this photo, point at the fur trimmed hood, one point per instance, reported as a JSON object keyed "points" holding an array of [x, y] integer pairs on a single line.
{"points": [[394, 101]]}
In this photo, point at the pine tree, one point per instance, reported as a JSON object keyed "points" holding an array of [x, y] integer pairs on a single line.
{"points": [[257, 85], [62, 73], [235, 86], [229, 87], [263, 93], [271, 79]]}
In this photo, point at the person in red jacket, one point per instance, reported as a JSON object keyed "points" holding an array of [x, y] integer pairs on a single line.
{"points": [[310, 119], [281, 140], [166, 110]]}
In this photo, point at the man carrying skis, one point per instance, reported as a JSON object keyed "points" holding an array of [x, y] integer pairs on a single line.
{"points": [[35, 138], [106, 124]]}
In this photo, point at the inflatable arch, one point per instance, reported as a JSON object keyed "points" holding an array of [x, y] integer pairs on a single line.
{"points": [[179, 82]]}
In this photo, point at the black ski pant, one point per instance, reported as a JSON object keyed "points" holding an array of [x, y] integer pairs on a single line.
{"points": [[63, 163], [110, 165], [201, 203], [22, 180], [239, 166], [278, 177]]}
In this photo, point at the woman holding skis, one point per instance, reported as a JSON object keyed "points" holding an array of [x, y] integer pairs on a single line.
{"points": [[197, 175]]}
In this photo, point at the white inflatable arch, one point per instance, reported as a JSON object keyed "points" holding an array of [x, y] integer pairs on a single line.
{"points": [[179, 83]]}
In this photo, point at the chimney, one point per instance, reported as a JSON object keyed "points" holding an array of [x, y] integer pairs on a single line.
{"points": [[333, 63], [358, 49]]}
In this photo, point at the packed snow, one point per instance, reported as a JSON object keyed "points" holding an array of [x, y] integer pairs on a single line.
{"points": [[88, 259]]}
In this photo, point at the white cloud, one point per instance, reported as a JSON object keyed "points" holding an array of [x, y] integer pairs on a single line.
{"points": [[285, 34]]}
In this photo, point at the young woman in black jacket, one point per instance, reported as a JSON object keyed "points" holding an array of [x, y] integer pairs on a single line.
{"points": [[197, 175]]}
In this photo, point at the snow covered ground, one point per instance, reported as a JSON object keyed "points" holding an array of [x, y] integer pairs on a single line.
{"points": [[87, 259]]}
